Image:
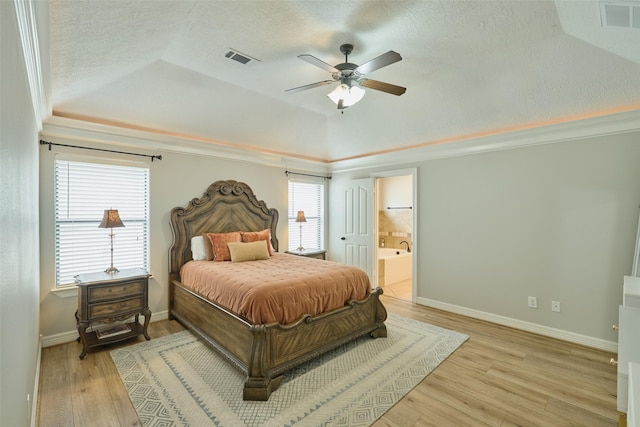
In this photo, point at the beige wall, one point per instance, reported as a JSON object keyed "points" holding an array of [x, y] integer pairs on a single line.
{"points": [[19, 328], [556, 221], [174, 181]]}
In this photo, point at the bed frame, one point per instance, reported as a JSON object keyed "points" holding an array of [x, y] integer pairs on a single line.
{"points": [[261, 351]]}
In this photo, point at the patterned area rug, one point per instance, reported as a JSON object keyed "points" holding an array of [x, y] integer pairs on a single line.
{"points": [[178, 381]]}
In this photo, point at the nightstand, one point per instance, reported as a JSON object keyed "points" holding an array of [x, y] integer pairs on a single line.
{"points": [[108, 298], [309, 253]]}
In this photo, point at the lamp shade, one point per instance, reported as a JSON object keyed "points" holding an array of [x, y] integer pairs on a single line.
{"points": [[111, 219], [300, 217], [349, 95]]}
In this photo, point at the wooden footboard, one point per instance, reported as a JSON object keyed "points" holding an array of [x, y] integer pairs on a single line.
{"points": [[265, 352]]}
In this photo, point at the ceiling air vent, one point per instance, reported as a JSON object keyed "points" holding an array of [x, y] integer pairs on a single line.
{"points": [[239, 57], [624, 14]]}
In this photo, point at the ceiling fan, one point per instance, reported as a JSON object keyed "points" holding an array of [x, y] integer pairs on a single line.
{"points": [[351, 77]]}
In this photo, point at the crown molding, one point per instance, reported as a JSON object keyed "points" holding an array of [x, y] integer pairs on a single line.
{"points": [[27, 27], [97, 133], [624, 122], [80, 130]]}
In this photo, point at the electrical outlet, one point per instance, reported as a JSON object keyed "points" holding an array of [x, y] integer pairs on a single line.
{"points": [[555, 306], [533, 302]]}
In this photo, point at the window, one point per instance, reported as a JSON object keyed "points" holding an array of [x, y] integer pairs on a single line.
{"points": [[307, 197], [82, 193]]}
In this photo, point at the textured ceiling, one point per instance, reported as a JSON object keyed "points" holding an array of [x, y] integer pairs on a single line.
{"points": [[470, 68]]}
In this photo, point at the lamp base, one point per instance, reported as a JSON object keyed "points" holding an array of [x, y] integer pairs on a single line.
{"points": [[111, 270], [300, 249]]}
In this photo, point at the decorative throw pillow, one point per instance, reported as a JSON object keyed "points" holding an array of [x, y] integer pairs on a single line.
{"points": [[198, 252], [219, 244], [252, 251], [254, 236], [208, 249]]}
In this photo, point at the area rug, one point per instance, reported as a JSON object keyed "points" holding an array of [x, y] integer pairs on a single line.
{"points": [[176, 380]]}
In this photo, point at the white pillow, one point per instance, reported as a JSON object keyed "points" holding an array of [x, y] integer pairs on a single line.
{"points": [[198, 253]]}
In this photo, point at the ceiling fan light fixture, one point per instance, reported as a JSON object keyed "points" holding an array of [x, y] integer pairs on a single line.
{"points": [[348, 95]]}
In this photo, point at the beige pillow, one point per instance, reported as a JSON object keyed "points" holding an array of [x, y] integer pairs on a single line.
{"points": [[251, 251], [253, 236]]}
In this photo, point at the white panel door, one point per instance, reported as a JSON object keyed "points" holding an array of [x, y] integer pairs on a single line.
{"points": [[358, 232]]}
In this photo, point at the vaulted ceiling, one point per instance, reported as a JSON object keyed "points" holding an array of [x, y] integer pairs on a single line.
{"points": [[470, 68]]}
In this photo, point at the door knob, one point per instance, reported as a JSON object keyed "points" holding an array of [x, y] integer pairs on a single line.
{"points": [[343, 238]]}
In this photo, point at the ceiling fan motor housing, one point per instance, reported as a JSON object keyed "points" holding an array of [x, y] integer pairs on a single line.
{"points": [[346, 68], [346, 74]]}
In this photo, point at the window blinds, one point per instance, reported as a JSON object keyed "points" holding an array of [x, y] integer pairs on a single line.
{"points": [[82, 192], [307, 197]]}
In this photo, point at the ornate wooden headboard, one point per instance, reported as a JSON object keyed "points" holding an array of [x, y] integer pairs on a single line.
{"points": [[226, 206]]}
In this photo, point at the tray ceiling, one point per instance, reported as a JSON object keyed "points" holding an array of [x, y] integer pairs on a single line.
{"points": [[470, 68]]}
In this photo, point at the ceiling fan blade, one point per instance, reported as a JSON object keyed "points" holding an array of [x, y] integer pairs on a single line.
{"points": [[379, 62], [318, 63], [311, 86], [382, 86]]}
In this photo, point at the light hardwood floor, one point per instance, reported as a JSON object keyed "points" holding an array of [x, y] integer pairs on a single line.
{"points": [[499, 377], [400, 290]]}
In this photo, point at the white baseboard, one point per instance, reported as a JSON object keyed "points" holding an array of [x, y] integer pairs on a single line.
{"points": [[600, 344], [522, 325], [65, 337], [36, 385]]}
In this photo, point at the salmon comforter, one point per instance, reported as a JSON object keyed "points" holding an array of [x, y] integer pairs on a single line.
{"points": [[279, 289]]}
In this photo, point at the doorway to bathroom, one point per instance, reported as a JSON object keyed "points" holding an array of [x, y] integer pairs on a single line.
{"points": [[395, 251]]}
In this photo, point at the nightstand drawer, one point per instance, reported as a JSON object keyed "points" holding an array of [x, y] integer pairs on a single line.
{"points": [[116, 291], [111, 309]]}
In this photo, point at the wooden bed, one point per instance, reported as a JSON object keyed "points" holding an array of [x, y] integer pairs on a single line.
{"points": [[261, 351]]}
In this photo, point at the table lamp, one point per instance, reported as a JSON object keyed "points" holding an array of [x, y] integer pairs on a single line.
{"points": [[111, 220], [300, 219]]}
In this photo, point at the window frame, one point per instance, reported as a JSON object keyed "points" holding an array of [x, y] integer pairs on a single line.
{"points": [[317, 214], [82, 224]]}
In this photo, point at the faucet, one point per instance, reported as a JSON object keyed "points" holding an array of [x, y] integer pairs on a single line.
{"points": [[408, 247]]}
